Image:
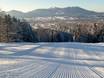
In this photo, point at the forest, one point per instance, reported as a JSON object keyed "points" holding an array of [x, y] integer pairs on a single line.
{"points": [[16, 30]]}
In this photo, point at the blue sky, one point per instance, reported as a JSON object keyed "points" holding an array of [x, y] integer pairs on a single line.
{"points": [[28, 5]]}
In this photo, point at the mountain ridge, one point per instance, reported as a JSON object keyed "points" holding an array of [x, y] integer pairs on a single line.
{"points": [[67, 11]]}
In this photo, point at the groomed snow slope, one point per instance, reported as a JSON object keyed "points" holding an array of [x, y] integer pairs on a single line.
{"points": [[51, 60]]}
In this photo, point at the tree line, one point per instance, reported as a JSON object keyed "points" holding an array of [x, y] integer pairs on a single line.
{"points": [[15, 30], [80, 31]]}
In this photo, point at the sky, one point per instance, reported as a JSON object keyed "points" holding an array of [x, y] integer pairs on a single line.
{"points": [[29, 5]]}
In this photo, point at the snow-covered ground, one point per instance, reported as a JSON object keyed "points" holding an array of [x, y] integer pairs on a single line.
{"points": [[51, 60]]}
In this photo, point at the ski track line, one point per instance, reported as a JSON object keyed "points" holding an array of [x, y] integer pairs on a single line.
{"points": [[22, 71], [97, 72], [23, 67], [65, 60]]}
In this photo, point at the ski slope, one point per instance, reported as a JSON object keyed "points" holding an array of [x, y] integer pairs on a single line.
{"points": [[51, 60]]}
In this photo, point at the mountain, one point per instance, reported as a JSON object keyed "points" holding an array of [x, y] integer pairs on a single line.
{"points": [[68, 11], [16, 13]]}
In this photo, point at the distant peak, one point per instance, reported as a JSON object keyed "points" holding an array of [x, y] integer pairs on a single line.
{"points": [[16, 11]]}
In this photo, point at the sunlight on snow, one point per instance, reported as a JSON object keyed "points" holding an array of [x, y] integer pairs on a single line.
{"points": [[100, 69], [7, 62], [43, 50], [6, 52], [20, 48]]}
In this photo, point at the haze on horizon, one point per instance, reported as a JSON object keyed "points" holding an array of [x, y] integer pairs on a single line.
{"points": [[28, 5]]}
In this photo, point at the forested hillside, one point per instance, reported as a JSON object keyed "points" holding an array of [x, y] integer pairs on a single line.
{"points": [[15, 30], [62, 32]]}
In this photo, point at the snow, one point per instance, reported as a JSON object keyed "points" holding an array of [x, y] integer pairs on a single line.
{"points": [[51, 60], [7, 62]]}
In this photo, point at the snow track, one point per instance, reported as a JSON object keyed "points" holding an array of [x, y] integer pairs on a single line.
{"points": [[52, 60]]}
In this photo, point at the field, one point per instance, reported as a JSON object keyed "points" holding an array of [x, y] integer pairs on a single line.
{"points": [[51, 60]]}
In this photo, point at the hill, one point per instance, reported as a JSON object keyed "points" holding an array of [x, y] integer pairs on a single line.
{"points": [[68, 11]]}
